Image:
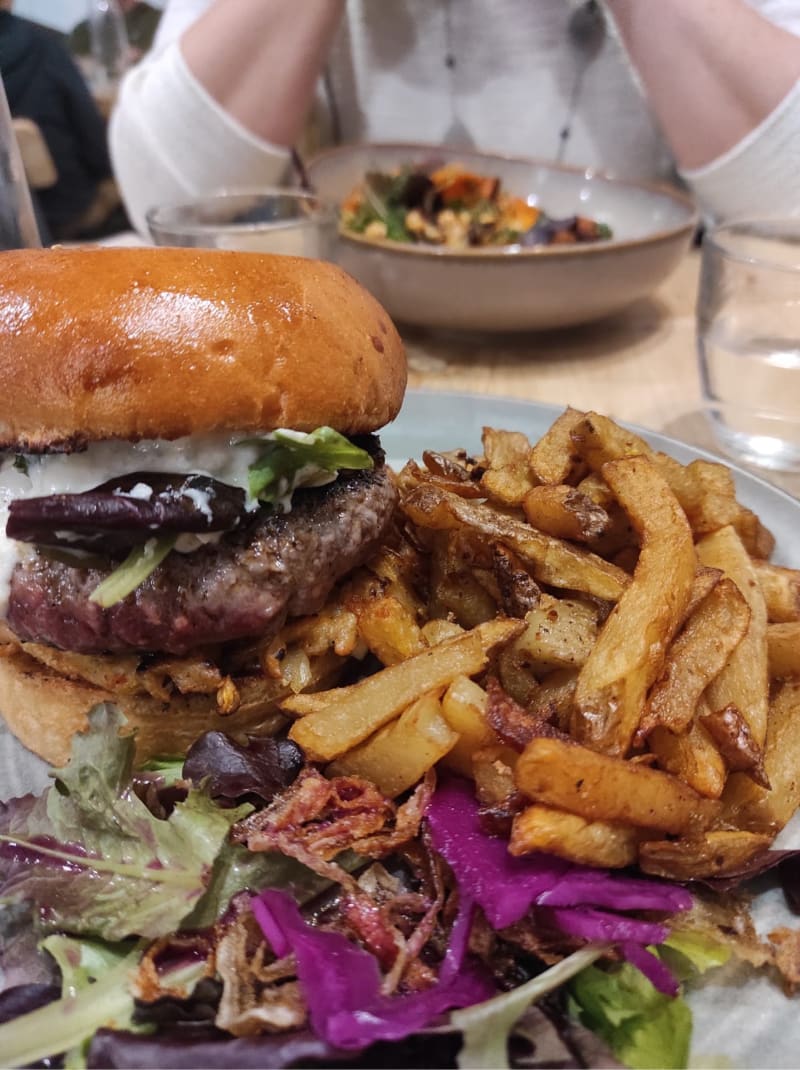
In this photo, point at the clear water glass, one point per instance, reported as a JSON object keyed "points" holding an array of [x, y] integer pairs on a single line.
{"points": [[748, 339], [18, 226], [276, 220]]}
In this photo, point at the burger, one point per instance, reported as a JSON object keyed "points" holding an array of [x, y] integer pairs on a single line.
{"points": [[189, 463]]}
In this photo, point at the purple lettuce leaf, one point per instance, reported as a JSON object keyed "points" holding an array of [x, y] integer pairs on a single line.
{"points": [[341, 981], [262, 767]]}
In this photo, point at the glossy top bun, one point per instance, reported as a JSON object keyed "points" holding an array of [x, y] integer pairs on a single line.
{"points": [[161, 343]]}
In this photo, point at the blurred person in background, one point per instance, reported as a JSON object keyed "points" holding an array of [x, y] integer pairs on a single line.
{"points": [[43, 83], [141, 23], [634, 87]]}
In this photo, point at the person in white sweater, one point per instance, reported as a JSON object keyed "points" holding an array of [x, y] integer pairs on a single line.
{"points": [[633, 87]]}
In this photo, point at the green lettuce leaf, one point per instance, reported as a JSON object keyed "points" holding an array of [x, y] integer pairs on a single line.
{"points": [[487, 1026], [288, 459], [134, 570], [643, 1028], [689, 953], [92, 858]]}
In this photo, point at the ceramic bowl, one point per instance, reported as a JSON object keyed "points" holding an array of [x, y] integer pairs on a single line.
{"points": [[513, 288]]}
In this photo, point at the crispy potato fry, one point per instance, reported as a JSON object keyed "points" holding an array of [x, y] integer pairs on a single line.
{"points": [[599, 787], [555, 697], [507, 478], [504, 448], [715, 854], [553, 459], [756, 539], [619, 535], [400, 754], [749, 806], [550, 560], [337, 720], [519, 592], [781, 590], [508, 485], [704, 489], [493, 770], [731, 735], [559, 634], [464, 709], [783, 649], [696, 657], [629, 653], [565, 513], [388, 628], [692, 757], [455, 590], [589, 843], [743, 681], [439, 631]]}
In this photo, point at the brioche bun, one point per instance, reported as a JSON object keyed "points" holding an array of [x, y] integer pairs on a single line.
{"points": [[162, 343]]}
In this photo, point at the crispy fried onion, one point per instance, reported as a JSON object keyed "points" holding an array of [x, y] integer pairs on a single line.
{"points": [[316, 819], [147, 983], [298, 657], [259, 994]]}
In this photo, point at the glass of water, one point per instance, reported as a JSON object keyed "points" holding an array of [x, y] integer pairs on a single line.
{"points": [[748, 338], [269, 220]]}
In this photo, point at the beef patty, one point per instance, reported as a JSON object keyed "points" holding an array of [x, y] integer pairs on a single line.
{"points": [[278, 566]]}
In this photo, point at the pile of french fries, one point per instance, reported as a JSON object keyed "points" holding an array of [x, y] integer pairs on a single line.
{"points": [[647, 652]]}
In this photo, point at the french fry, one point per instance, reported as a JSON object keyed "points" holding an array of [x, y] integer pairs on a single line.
{"points": [[597, 439], [690, 756], [756, 539], [387, 627], [783, 649], [335, 721], [599, 787], [464, 709], [553, 458], [743, 681], [400, 754], [493, 770], [565, 513], [550, 560], [629, 653], [555, 697], [731, 736], [749, 806], [696, 657], [559, 634], [589, 843], [781, 590], [715, 854], [504, 448], [455, 591], [507, 478]]}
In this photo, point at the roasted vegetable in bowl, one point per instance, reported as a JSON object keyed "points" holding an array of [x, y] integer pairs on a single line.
{"points": [[456, 208]]}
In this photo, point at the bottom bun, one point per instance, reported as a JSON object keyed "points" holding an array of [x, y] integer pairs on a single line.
{"points": [[44, 709]]}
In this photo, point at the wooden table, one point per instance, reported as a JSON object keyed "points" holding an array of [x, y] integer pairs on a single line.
{"points": [[639, 366]]}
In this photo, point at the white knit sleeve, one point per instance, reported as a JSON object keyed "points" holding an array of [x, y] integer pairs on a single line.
{"points": [[759, 175], [170, 140]]}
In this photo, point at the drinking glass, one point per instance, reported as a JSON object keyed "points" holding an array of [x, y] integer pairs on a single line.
{"points": [[108, 39], [748, 339], [274, 220], [18, 227]]}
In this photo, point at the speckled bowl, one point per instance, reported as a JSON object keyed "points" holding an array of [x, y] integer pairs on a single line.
{"points": [[512, 288]]}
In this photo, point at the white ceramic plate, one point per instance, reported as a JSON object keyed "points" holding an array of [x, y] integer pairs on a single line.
{"points": [[741, 1018], [510, 288]]}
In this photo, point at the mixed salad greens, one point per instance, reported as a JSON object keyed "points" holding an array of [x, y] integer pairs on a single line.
{"points": [[455, 208], [237, 908]]}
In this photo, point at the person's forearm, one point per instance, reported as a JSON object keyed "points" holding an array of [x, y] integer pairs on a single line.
{"points": [[260, 59], [712, 69]]}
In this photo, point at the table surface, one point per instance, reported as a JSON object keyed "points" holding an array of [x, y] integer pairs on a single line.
{"points": [[639, 366]]}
